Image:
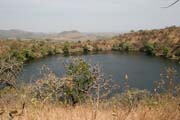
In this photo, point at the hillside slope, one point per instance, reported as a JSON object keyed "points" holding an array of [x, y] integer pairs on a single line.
{"points": [[166, 36], [158, 39]]}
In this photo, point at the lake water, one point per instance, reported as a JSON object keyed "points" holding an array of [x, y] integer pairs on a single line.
{"points": [[142, 70]]}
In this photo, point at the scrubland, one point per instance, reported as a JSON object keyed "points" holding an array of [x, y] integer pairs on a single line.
{"points": [[83, 92]]}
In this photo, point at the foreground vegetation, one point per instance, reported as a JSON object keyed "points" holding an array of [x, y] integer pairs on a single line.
{"points": [[47, 111], [84, 92]]}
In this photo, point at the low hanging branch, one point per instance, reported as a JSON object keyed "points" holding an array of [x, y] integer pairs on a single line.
{"points": [[172, 4]]}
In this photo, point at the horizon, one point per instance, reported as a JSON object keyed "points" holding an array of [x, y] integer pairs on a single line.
{"points": [[86, 32], [90, 16]]}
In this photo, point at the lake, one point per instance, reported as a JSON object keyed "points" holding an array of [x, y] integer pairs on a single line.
{"points": [[142, 70]]}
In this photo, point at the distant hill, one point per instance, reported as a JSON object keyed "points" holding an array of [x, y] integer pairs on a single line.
{"points": [[19, 34], [73, 35]]}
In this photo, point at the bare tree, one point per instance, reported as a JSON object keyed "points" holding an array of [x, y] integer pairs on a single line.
{"points": [[9, 68], [172, 4]]}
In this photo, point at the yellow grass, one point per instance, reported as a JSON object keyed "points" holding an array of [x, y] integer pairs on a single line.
{"points": [[169, 111]]}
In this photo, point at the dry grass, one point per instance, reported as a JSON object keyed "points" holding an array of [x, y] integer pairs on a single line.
{"points": [[168, 111]]}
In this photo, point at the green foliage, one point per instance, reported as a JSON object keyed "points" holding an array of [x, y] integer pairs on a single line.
{"points": [[115, 47], [20, 57], [72, 89], [166, 50], [24, 55], [149, 48], [86, 49], [28, 54], [44, 51], [81, 80], [51, 51], [124, 46], [66, 48]]}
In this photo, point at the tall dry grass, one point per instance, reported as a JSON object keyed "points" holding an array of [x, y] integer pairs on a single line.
{"points": [[170, 110]]}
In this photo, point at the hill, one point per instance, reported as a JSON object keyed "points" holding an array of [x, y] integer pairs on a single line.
{"points": [[73, 35], [19, 34]]}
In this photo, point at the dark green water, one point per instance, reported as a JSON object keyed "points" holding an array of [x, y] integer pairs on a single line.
{"points": [[142, 70]]}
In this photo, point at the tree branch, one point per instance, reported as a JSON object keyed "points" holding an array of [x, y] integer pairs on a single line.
{"points": [[171, 4]]}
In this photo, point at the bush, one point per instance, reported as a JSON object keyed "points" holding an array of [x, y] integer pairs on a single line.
{"points": [[166, 51], [96, 48], [115, 47], [66, 49], [28, 54], [82, 82], [149, 49], [23, 55], [9, 69], [20, 57], [82, 79], [86, 49], [125, 47], [167, 82], [131, 97]]}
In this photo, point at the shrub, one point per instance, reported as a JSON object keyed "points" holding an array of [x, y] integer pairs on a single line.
{"points": [[167, 82], [177, 52], [149, 48], [82, 82], [23, 55], [131, 97], [66, 48], [96, 48], [9, 68], [125, 46], [20, 57], [115, 47], [166, 50], [28, 54], [86, 49]]}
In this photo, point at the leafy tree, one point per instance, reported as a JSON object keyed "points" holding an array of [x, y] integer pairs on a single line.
{"points": [[149, 48], [82, 82], [66, 48]]}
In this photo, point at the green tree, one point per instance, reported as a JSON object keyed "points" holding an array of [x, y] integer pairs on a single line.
{"points": [[66, 48], [149, 48]]}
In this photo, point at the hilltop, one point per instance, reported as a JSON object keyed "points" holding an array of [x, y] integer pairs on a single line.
{"points": [[73, 35], [19, 34]]}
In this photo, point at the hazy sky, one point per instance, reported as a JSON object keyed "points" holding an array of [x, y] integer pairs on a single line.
{"points": [[87, 15]]}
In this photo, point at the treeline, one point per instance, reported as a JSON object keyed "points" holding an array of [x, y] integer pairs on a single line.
{"points": [[162, 42]]}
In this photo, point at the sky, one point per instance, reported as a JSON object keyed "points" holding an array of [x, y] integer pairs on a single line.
{"points": [[87, 15]]}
